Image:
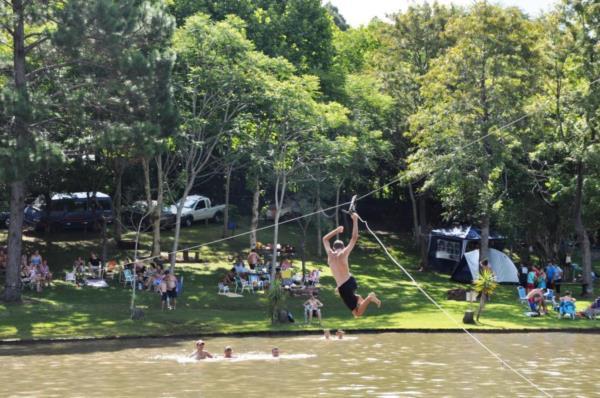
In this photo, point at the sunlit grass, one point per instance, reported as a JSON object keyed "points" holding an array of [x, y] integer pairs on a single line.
{"points": [[65, 311]]}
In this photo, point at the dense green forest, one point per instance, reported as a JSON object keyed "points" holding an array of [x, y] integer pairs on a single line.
{"points": [[483, 112]]}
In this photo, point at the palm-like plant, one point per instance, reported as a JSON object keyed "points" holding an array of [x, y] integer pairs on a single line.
{"points": [[276, 298], [485, 286]]}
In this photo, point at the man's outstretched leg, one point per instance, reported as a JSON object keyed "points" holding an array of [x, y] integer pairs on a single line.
{"points": [[364, 303]]}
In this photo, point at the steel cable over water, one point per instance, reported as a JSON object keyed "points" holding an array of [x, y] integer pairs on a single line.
{"points": [[391, 182], [418, 286]]}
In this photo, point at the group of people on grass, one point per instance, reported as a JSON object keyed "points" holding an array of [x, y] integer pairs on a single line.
{"points": [[154, 278], [35, 271], [255, 266], [564, 305], [93, 267], [549, 277]]}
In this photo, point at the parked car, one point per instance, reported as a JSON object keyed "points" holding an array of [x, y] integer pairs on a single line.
{"points": [[196, 208], [290, 209], [138, 211], [70, 211]]}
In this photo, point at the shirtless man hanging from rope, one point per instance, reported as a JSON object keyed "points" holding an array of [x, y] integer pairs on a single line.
{"points": [[337, 258]]}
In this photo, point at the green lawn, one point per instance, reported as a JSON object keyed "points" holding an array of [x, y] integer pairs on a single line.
{"points": [[65, 311]]}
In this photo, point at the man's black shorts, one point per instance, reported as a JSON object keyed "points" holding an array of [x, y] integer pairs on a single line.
{"points": [[172, 293], [347, 292]]}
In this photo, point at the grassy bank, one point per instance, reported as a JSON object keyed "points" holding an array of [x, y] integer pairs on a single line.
{"points": [[65, 311]]}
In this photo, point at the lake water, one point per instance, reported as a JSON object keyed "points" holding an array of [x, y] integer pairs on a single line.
{"points": [[362, 365]]}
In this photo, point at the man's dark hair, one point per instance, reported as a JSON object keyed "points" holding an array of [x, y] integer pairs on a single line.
{"points": [[338, 244]]}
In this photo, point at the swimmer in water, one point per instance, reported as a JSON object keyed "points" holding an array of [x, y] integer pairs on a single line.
{"points": [[228, 353], [326, 334], [275, 352], [200, 353], [337, 258], [340, 334]]}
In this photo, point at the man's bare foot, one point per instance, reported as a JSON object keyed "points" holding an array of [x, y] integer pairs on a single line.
{"points": [[374, 299]]}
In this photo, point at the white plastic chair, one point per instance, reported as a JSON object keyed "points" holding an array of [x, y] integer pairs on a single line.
{"points": [[71, 277], [223, 288], [128, 278]]}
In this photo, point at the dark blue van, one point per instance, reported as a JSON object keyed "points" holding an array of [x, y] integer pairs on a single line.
{"points": [[75, 210]]}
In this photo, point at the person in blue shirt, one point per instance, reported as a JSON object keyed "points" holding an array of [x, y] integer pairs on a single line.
{"points": [[531, 279]]}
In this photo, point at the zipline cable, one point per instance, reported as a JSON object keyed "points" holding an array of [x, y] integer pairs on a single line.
{"points": [[352, 202], [418, 286], [389, 183]]}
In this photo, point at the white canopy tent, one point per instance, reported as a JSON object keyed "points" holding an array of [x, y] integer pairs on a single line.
{"points": [[468, 268]]}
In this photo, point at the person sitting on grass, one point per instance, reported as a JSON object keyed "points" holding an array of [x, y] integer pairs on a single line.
{"points": [[286, 264], [568, 297], [240, 268], [229, 277], [312, 306], [337, 258], [45, 273], [95, 265], [33, 277], [593, 310], [35, 259], [313, 277], [536, 300], [199, 353]]}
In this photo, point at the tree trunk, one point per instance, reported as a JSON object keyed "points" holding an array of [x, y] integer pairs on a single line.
{"points": [[319, 233], [337, 205], [424, 232], [118, 202], [104, 240], [226, 211], [582, 234], [158, 208], [303, 258], [12, 287], [279, 197], [254, 222], [415, 216], [484, 249], [481, 305]]}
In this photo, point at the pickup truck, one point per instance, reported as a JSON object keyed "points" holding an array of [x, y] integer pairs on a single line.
{"points": [[196, 208]]}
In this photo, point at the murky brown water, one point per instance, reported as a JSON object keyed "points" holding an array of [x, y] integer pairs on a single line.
{"points": [[384, 365]]}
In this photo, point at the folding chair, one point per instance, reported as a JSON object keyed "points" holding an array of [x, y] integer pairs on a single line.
{"points": [[128, 277], [523, 295], [242, 285], [255, 281]]}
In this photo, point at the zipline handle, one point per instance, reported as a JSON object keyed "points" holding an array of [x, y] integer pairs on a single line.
{"points": [[352, 207]]}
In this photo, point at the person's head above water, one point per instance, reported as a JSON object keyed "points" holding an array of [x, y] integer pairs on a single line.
{"points": [[200, 344], [275, 352], [338, 245], [228, 351]]}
